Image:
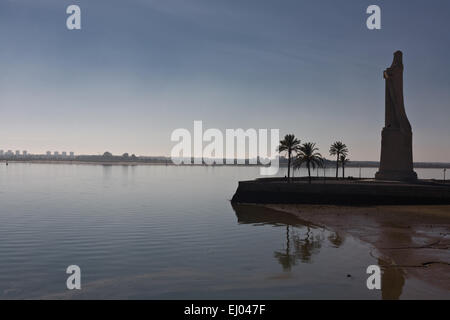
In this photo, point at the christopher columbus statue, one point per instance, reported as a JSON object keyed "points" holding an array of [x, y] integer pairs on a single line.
{"points": [[396, 141], [395, 107]]}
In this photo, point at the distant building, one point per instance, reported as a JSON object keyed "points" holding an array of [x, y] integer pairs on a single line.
{"points": [[72, 154], [1, 152], [64, 154], [56, 153], [49, 153], [24, 152], [9, 153], [17, 152]]}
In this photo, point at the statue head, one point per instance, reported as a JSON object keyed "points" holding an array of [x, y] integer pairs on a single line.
{"points": [[398, 58]]}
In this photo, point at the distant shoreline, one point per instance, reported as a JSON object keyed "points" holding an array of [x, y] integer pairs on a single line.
{"points": [[355, 164], [121, 163]]}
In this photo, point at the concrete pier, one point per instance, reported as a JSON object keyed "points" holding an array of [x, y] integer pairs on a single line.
{"points": [[342, 192]]}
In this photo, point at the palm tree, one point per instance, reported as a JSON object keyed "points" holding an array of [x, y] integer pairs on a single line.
{"points": [[289, 144], [307, 153], [337, 149], [344, 160]]}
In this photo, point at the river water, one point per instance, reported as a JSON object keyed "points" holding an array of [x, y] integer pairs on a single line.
{"points": [[166, 232]]}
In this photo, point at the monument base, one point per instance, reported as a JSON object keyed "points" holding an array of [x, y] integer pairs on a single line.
{"points": [[396, 156], [396, 175]]}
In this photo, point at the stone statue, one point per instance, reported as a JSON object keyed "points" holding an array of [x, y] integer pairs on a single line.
{"points": [[396, 139], [395, 107]]}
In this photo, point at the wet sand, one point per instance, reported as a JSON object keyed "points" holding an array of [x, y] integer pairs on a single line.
{"points": [[414, 240]]}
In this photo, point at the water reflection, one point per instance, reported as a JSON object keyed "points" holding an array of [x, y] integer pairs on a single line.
{"points": [[392, 280], [285, 258], [107, 168], [393, 276], [305, 247], [302, 239], [336, 239]]}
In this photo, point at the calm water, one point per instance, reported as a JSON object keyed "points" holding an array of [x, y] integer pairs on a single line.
{"points": [[157, 232]]}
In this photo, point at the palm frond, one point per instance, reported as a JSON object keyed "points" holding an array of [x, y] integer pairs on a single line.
{"points": [[338, 148]]}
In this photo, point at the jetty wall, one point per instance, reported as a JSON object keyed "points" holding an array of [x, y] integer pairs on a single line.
{"points": [[266, 191]]}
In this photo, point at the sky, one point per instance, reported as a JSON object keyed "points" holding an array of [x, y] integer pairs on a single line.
{"points": [[139, 69]]}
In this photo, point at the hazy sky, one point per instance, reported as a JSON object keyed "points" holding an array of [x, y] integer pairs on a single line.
{"points": [[139, 69]]}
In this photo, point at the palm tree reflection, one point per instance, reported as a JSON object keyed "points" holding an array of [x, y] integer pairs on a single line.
{"points": [[285, 258], [336, 239], [306, 247], [302, 241]]}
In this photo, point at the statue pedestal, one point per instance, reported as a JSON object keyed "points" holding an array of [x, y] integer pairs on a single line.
{"points": [[396, 156]]}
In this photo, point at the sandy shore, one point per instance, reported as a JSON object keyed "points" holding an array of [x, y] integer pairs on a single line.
{"points": [[414, 239]]}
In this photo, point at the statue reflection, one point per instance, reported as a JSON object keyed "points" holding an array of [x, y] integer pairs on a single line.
{"points": [[392, 280], [393, 276], [302, 239]]}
